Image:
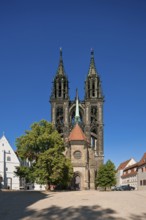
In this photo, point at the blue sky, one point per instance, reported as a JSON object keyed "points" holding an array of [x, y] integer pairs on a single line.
{"points": [[31, 33]]}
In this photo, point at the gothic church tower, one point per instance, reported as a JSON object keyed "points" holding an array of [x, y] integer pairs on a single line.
{"points": [[60, 100], [90, 113]]}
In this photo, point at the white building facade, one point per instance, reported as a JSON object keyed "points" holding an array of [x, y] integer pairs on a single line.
{"points": [[8, 163], [120, 169]]}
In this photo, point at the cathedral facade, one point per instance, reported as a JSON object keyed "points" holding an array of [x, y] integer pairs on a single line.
{"points": [[80, 123]]}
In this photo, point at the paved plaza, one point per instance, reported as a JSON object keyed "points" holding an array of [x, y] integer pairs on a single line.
{"points": [[74, 205]]}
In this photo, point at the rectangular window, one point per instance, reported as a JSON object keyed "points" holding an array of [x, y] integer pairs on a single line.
{"points": [[140, 182], [8, 158]]}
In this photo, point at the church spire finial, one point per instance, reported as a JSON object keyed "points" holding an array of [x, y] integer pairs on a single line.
{"points": [[60, 52], [77, 115], [92, 53]]}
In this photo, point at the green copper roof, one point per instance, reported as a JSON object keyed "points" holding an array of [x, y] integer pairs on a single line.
{"points": [[77, 115]]}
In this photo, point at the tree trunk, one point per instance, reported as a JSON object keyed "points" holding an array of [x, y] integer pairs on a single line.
{"points": [[48, 186]]}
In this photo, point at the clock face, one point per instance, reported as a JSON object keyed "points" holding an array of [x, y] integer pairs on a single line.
{"points": [[77, 154]]}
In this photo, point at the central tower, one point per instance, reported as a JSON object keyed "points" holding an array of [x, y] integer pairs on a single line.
{"points": [[90, 111]]}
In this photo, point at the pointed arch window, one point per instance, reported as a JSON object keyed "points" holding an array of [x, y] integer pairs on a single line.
{"points": [[55, 89], [88, 88], [93, 137], [59, 116], [64, 89], [93, 114], [59, 92], [93, 88]]}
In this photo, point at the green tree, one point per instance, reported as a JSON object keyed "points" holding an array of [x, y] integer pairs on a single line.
{"points": [[40, 138], [53, 168], [106, 175], [25, 172], [43, 147]]}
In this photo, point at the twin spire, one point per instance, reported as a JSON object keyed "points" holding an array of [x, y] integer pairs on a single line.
{"points": [[92, 83], [92, 68]]}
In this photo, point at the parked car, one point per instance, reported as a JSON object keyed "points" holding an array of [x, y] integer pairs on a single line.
{"points": [[116, 188], [132, 187], [127, 187], [123, 188]]}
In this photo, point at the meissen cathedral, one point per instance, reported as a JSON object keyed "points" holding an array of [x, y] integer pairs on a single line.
{"points": [[80, 123]]}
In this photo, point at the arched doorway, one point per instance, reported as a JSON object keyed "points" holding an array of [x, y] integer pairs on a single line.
{"points": [[77, 181]]}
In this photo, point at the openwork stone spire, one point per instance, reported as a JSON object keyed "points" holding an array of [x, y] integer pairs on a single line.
{"points": [[92, 68], [60, 84], [60, 70]]}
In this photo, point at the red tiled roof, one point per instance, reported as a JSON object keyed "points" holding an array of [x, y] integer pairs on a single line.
{"points": [[123, 165], [131, 166], [143, 160], [77, 134], [133, 173]]}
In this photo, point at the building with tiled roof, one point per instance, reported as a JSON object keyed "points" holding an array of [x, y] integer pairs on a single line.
{"points": [[121, 168], [142, 173], [132, 173]]}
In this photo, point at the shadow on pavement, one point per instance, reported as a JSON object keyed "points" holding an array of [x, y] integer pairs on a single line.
{"points": [[80, 213], [13, 205], [138, 217], [72, 213]]}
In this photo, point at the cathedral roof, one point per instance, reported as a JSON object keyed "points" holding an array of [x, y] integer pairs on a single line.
{"points": [[77, 134]]}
